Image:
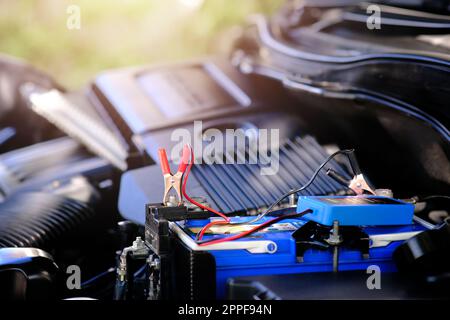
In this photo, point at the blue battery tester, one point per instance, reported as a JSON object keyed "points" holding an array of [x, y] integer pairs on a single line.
{"points": [[356, 210]]}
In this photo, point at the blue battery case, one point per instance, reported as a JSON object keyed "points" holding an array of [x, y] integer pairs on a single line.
{"points": [[237, 263]]}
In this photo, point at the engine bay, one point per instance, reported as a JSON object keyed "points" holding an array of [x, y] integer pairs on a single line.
{"points": [[314, 149]]}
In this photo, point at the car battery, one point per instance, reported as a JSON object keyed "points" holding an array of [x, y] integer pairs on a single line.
{"points": [[280, 249]]}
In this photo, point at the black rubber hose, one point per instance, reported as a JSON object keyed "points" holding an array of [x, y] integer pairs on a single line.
{"points": [[35, 219]]}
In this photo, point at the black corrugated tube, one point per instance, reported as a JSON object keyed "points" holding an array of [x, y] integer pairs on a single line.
{"points": [[37, 219]]}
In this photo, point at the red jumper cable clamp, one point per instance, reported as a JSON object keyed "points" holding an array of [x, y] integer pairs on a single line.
{"points": [[173, 181]]}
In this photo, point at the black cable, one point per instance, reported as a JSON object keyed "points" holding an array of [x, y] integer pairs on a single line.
{"points": [[305, 186]]}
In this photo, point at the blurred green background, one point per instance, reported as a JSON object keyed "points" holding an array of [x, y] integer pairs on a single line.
{"points": [[117, 33]]}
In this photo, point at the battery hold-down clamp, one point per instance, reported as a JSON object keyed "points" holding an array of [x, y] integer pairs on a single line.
{"points": [[313, 235]]}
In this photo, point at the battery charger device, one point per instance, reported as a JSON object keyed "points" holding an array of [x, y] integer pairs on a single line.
{"points": [[356, 210]]}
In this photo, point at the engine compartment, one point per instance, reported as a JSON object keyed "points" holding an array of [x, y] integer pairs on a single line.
{"points": [[80, 174]]}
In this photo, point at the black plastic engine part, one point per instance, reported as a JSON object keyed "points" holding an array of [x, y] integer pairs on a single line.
{"points": [[427, 254], [348, 285], [28, 128], [378, 91], [33, 167], [245, 290], [37, 219], [26, 273]]}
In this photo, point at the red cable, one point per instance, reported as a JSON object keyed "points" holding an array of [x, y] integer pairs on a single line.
{"points": [[183, 190], [236, 236], [255, 229], [209, 225]]}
